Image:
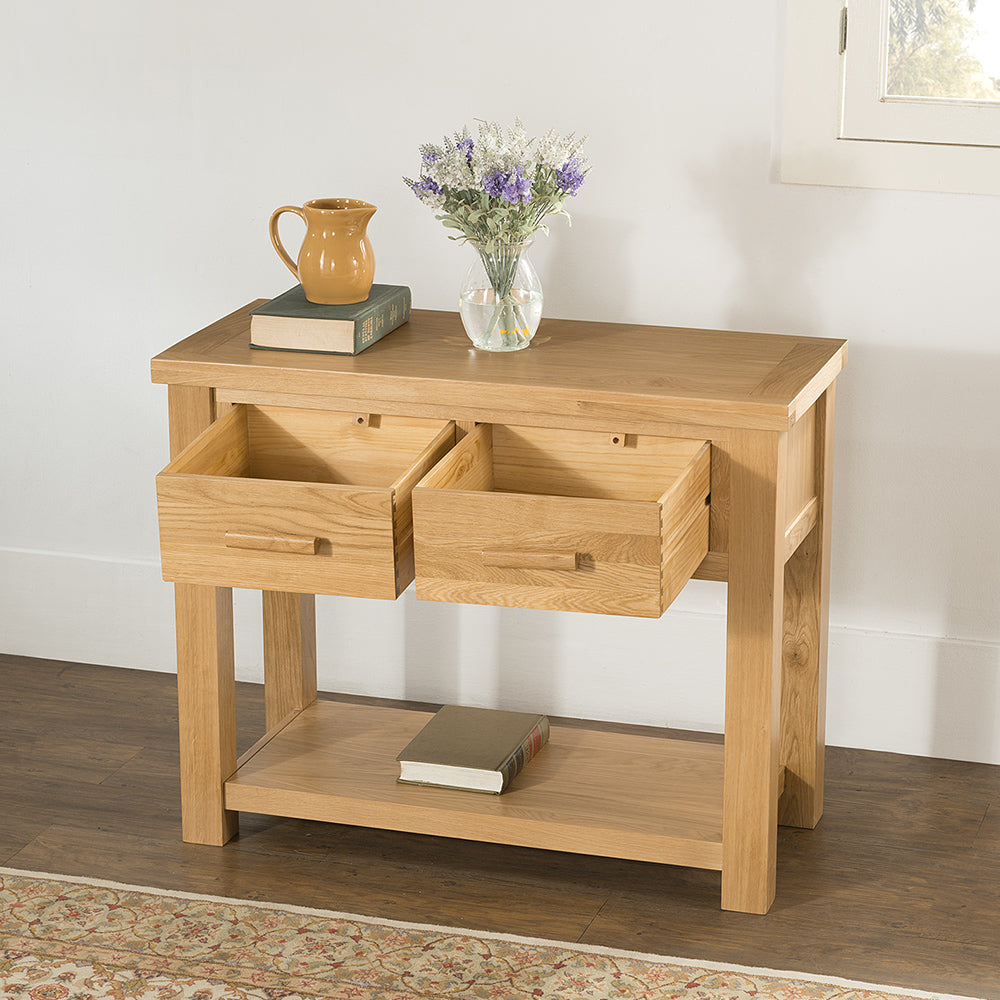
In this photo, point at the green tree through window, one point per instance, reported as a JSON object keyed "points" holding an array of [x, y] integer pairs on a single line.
{"points": [[929, 53]]}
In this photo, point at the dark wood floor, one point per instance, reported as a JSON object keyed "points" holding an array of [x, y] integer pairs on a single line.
{"points": [[899, 884]]}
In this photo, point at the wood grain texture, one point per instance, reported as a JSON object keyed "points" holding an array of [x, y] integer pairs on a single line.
{"points": [[715, 566], [469, 465], [758, 462], [684, 525], [629, 523], [206, 709], [586, 792], [289, 654], [702, 377], [402, 501], [718, 526], [801, 525], [618, 544], [795, 370], [190, 410], [339, 538], [206, 673], [355, 554], [323, 446], [801, 475], [571, 463], [805, 642], [304, 545], [466, 413], [219, 449], [532, 559]]}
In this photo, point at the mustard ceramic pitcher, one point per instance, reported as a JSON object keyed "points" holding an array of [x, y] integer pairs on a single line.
{"points": [[336, 264]]}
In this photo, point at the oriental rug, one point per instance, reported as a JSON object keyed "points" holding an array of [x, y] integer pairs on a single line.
{"points": [[64, 938]]}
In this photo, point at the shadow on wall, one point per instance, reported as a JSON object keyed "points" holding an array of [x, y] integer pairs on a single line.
{"points": [[448, 651], [916, 547], [529, 642], [585, 269], [917, 481], [433, 656], [731, 236], [780, 235]]}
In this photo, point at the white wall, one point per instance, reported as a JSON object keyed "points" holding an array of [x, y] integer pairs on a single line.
{"points": [[143, 154]]}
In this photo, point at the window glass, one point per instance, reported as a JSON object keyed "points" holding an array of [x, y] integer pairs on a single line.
{"points": [[944, 49]]}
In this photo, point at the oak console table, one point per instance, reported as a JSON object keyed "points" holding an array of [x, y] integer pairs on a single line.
{"points": [[596, 471]]}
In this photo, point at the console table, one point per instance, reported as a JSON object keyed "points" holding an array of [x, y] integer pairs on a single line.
{"points": [[620, 461]]}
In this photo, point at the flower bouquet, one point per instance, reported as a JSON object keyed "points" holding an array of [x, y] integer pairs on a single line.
{"points": [[495, 190]]}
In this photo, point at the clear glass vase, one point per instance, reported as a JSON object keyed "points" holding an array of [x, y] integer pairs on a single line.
{"points": [[501, 298]]}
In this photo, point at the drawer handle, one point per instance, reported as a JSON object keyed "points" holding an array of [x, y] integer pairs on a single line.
{"points": [[512, 559], [299, 544]]}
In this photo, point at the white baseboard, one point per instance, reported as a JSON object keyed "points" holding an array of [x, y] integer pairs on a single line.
{"points": [[911, 694]]}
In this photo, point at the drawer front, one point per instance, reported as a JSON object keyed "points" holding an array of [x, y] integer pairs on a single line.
{"points": [[541, 518], [304, 501], [559, 553], [300, 537]]}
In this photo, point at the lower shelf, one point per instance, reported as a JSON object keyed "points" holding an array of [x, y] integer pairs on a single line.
{"points": [[610, 794]]}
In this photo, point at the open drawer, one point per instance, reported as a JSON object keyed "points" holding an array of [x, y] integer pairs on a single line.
{"points": [[561, 519], [299, 500]]}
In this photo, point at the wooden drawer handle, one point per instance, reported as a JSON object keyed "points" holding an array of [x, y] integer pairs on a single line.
{"points": [[299, 544], [512, 559]]}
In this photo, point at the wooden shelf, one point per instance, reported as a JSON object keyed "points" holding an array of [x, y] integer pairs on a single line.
{"points": [[610, 794]]}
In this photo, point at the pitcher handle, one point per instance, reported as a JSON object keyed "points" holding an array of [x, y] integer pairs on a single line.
{"points": [[276, 240]]}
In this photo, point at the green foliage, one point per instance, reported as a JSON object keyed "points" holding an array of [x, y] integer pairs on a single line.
{"points": [[928, 51], [493, 223]]}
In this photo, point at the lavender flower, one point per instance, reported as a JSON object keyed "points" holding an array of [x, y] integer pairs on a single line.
{"points": [[425, 186], [518, 187], [427, 190], [497, 189], [510, 185], [493, 183], [569, 176]]}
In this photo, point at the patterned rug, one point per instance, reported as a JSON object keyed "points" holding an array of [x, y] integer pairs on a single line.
{"points": [[73, 939]]}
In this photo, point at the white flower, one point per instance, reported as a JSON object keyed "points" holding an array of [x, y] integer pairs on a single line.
{"points": [[498, 187], [553, 150]]}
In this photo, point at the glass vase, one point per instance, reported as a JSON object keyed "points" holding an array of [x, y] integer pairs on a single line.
{"points": [[501, 298]]}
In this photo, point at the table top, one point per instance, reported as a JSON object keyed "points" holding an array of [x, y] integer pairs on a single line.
{"points": [[593, 372]]}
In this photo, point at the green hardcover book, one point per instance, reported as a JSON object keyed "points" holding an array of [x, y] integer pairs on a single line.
{"points": [[291, 322], [475, 749]]}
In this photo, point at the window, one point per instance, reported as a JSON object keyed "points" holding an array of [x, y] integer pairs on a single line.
{"points": [[911, 101], [922, 71]]}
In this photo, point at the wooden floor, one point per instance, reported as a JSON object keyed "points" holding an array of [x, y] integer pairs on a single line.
{"points": [[899, 884]]}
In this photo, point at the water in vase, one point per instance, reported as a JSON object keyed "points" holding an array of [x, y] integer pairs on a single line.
{"points": [[504, 325]]}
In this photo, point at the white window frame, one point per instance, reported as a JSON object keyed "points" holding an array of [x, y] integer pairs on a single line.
{"points": [[871, 113], [813, 149]]}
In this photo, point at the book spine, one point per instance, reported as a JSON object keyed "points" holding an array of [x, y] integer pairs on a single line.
{"points": [[390, 314], [533, 742]]}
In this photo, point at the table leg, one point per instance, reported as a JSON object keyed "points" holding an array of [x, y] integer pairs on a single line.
{"points": [[206, 698], [289, 654], [806, 628], [758, 461], [206, 677]]}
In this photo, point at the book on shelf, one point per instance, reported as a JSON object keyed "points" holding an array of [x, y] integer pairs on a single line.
{"points": [[475, 749], [291, 322]]}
